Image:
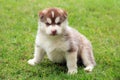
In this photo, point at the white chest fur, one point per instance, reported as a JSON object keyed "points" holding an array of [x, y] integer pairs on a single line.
{"points": [[55, 48], [56, 55]]}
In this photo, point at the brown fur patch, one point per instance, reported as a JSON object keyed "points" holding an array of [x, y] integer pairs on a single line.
{"points": [[47, 13], [68, 37], [72, 49]]}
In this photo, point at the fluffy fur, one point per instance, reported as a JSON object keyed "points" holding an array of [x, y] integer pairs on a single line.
{"points": [[60, 42]]}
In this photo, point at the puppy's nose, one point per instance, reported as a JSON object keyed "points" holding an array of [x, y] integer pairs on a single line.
{"points": [[54, 32]]}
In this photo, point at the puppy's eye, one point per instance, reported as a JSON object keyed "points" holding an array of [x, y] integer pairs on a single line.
{"points": [[47, 24], [58, 23]]}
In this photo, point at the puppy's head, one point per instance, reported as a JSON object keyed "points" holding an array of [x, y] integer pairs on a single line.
{"points": [[53, 21]]}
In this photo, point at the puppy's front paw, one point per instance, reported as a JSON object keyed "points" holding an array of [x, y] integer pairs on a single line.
{"points": [[73, 71], [31, 62], [88, 68]]}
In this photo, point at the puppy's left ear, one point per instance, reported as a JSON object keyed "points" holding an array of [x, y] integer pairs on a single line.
{"points": [[65, 14]]}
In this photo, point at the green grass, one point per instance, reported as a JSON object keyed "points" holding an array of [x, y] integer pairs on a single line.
{"points": [[98, 20]]}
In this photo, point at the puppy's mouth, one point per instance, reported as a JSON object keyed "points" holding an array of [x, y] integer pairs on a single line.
{"points": [[53, 34]]}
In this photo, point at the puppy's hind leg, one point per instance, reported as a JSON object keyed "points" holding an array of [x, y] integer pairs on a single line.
{"points": [[88, 59], [38, 55]]}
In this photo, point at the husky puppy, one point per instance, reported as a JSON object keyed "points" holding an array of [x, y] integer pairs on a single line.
{"points": [[61, 42]]}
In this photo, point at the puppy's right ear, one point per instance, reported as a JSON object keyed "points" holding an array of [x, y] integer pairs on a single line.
{"points": [[41, 15]]}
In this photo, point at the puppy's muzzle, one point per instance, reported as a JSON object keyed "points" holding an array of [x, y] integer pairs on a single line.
{"points": [[54, 32]]}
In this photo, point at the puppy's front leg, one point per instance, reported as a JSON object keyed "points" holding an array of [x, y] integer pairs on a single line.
{"points": [[38, 55], [71, 59]]}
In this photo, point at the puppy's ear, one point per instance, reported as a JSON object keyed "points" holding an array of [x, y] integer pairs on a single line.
{"points": [[64, 13], [41, 15]]}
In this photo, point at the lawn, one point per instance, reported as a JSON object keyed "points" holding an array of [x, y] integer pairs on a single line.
{"points": [[98, 20]]}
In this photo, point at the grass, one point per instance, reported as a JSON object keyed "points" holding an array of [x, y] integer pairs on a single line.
{"points": [[98, 20]]}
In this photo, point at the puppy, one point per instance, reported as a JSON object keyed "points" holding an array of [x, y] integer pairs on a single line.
{"points": [[60, 42]]}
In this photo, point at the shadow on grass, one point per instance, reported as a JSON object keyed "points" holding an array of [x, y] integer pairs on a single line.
{"points": [[45, 69], [48, 68]]}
